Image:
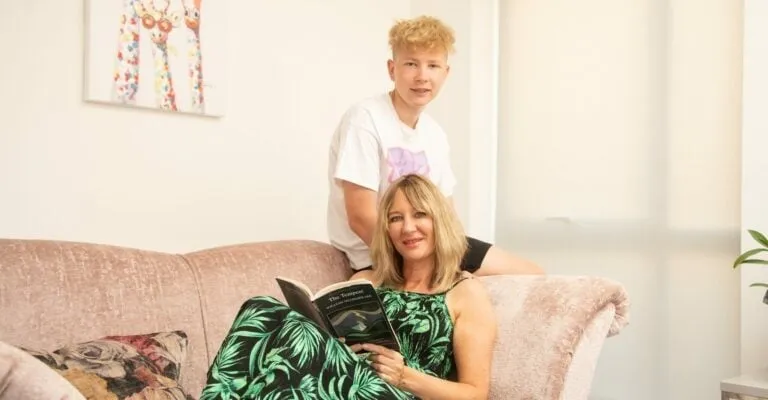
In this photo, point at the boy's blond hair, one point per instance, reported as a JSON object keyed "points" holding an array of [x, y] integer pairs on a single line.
{"points": [[422, 33], [450, 241]]}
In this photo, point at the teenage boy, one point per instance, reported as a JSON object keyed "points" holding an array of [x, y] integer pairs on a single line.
{"points": [[386, 136]]}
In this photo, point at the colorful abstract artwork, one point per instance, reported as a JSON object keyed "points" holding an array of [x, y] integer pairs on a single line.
{"points": [[163, 54]]}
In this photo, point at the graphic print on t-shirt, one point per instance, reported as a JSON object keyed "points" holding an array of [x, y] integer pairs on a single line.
{"points": [[403, 162]]}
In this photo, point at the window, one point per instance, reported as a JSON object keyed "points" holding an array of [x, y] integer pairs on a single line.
{"points": [[619, 156]]}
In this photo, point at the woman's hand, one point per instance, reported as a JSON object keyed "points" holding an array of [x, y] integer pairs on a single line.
{"points": [[388, 364]]}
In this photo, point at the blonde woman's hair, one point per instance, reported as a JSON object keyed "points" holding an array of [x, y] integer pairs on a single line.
{"points": [[449, 238], [421, 33]]}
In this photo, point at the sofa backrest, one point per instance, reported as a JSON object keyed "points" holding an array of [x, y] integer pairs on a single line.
{"points": [[227, 276], [57, 293], [54, 293]]}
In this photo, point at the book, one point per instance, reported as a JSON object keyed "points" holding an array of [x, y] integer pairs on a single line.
{"points": [[351, 310]]}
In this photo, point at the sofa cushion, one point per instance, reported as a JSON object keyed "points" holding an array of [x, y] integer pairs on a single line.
{"points": [[118, 367], [25, 377]]}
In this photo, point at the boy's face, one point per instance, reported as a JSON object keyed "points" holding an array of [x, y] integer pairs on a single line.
{"points": [[418, 75]]}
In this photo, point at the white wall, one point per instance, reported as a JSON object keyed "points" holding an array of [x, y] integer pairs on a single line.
{"points": [[76, 171], [754, 179], [79, 171]]}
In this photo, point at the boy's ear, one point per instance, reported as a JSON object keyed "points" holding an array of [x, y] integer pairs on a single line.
{"points": [[391, 69]]}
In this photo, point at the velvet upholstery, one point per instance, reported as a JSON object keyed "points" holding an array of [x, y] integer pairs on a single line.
{"points": [[551, 328]]}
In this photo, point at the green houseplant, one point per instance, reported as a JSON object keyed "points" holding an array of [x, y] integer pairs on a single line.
{"points": [[750, 257]]}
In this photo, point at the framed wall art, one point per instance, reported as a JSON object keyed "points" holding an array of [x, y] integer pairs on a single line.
{"points": [[163, 54]]}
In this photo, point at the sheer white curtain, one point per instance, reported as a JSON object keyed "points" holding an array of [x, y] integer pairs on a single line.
{"points": [[619, 156]]}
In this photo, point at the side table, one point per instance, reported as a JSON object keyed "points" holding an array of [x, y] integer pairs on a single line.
{"points": [[751, 386]]}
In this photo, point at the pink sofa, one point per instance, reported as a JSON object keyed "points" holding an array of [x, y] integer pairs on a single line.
{"points": [[552, 328]]}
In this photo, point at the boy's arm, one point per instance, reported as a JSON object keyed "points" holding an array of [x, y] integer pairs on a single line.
{"points": [[360, 203], [357, 171], [364, 274]]}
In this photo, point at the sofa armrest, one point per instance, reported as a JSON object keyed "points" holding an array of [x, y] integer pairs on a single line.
{"points": [[23, 376], [542, 322]]}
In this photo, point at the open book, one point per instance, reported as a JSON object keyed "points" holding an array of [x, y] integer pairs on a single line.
{"points": [[351, 310]]}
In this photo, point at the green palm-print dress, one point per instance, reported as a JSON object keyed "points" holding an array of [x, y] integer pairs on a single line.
{"points": [[273, 352]]}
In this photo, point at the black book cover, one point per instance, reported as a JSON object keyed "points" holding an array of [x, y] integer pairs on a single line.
{"points": [[351, 310]]}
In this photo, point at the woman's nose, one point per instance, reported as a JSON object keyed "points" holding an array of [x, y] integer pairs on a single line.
{"points": [[408, 225]]}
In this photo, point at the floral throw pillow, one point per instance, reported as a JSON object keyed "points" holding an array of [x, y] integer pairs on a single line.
{"points": [[135, 367]]}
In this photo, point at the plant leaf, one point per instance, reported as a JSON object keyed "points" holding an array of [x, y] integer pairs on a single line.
{"points": [[745, 255], [765, 285], [755, 261], [759, 237]]}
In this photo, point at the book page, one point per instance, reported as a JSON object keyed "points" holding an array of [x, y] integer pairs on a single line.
{"points": [[340, 285]]}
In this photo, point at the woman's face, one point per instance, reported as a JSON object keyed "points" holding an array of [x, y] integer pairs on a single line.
{"points": [[410, 230]]}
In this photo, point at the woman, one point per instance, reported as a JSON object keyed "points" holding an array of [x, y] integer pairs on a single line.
{"points": [[443, 318]]}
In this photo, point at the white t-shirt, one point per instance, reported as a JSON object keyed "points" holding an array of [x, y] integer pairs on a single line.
{"points": [[371, 148]]}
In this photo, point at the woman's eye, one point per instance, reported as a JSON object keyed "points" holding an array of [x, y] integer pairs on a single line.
{"points": [[394, 218], [420, 214]]}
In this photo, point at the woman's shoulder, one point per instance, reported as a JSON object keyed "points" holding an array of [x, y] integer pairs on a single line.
{"points": [[467, 286], [468, 295]]}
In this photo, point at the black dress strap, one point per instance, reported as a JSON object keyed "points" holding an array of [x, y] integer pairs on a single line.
{"points": [[462, 277]]}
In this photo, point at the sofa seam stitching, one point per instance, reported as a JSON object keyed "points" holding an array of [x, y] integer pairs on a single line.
{"points": [[199, 289]]}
